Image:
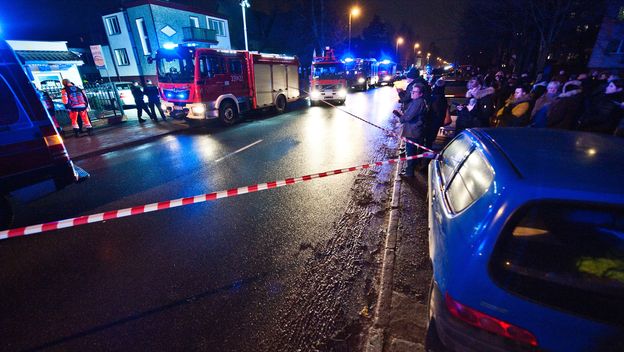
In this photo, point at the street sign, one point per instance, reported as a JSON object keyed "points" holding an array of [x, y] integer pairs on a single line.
{"points": [[98, 57]]}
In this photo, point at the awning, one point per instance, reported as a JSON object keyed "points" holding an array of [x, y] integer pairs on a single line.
{"points": [[48, 57]]}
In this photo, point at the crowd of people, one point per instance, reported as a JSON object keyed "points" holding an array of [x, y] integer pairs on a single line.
{"points": [[585, 102]]}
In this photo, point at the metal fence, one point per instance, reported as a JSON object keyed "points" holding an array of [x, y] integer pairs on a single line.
{"points": [[103, 104]]}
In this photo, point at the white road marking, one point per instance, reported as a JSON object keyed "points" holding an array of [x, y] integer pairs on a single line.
{"points": [[239, 150]]}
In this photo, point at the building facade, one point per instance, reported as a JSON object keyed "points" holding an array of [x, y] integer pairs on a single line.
{"points": [[48, 63], [142, 27], [608, 51]]}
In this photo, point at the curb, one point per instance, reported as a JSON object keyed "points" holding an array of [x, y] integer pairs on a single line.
{"points": [[376, 334]]}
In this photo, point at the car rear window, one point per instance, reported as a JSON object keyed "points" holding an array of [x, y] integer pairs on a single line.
{"points": [[568, 256], [453, 155], [471, 181]]}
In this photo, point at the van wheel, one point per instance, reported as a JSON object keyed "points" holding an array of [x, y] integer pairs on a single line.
{"points": [[6, 213], [280, 104], [228, 113]]}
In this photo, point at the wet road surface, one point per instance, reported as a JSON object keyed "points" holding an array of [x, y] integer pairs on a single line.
{"points": [[283, 269]]}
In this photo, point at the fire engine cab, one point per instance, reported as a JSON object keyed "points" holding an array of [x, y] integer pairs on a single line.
{"points": [[203, 83], [328, 81]]}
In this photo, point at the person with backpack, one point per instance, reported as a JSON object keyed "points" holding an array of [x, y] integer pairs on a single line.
{"points": [[76, 102]]}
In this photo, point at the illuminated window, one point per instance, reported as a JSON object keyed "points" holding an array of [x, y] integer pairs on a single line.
{"points": [[121, 55], [194, 22], [218, 26], [145, 43], [112, 25], [621, 14]]}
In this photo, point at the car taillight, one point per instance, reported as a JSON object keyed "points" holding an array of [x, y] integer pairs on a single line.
{"points": [[54, 142], [488, 323]]}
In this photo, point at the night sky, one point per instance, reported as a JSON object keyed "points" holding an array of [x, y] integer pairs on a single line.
{"points": [[72, 19]]}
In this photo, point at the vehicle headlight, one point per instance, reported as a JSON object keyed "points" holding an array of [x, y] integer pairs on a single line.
{"points": [[342, 92], [315, 94], [198, 110], [387, 78], [361, 80]]}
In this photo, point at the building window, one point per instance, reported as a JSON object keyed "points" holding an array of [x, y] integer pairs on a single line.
{"points": [[218, 26], [615, 47], [621, 14], [145, 43], [194, 22], [112, 25], [121, 55]]}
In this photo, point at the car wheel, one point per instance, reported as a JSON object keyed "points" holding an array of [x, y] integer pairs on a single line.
{"points": [[6, 213], [280, 104], [432, 340], [228, 113]]}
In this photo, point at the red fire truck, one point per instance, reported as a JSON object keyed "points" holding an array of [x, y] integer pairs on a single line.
{"points": [[386, 72], [328, 81], [33, 158], [203, 83]]}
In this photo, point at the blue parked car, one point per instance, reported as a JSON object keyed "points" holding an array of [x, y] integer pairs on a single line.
{"points": [[526, 236]]}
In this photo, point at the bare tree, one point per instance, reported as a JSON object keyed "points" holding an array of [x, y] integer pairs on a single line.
{"points": [[548, 17]]}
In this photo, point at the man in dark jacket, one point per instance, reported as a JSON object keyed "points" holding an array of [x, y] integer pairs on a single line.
{"points": [[413, 120], [437, 113], [137, 94], [153, 99]]}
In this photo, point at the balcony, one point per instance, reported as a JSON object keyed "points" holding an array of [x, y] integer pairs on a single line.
{"points": [[202, 35]]}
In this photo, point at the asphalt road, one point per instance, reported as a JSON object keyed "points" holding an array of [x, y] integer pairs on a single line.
{"points": [[283, 269]]}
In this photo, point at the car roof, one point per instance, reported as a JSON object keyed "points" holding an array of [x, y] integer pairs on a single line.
{"points": [[562, 159]]}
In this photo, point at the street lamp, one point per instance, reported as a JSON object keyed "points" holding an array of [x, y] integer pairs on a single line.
{"points": [[355, 12], [399, 41], [245, 4]]}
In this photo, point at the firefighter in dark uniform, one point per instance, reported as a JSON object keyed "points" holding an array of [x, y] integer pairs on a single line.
{"points": [[137, 94], [76, 102], [153, 99]]}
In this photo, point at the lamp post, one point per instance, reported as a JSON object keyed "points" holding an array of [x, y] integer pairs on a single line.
{"points": [[399, 41], [355, 11], [245, 4]]}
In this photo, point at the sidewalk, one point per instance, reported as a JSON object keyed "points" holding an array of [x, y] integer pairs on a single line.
{"points": [[113, 137], [400, 320]]}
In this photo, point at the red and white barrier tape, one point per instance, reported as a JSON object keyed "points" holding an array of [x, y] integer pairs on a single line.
{"points": [[392, 133], [116, 214]]}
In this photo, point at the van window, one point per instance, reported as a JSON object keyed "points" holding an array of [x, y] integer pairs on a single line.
{"points": [[569, 256], [472, 180], [10, 112], [453, 155]]}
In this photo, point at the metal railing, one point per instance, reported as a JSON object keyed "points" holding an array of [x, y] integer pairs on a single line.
{"points": [[103, 103], [196, 34]]}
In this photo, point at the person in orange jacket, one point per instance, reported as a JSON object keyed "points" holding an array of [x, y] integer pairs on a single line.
{"points": [[76, 102]]}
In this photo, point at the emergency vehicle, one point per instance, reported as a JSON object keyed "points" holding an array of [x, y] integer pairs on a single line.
{"points": [[33, 158], [204, 83], [328, 81], [386, 72], [361, 73]]}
